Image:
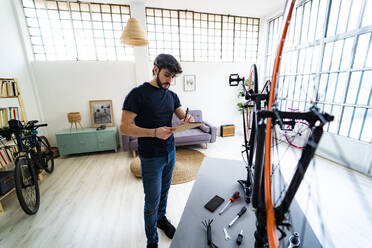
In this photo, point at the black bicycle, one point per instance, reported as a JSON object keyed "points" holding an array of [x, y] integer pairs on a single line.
{"points": [[34, 155], [271, 197]]}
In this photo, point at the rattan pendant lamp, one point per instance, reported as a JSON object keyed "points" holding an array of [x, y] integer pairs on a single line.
{"points": [[134, 34]]}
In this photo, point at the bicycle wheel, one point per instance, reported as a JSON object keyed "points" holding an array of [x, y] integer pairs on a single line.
{"points": [[298, 136], [27, 186], [47, 154], [250, 127], [271, 228]]}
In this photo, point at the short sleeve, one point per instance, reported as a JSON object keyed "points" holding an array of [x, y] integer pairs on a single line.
{"points": [[177, 102], [132, 101]]}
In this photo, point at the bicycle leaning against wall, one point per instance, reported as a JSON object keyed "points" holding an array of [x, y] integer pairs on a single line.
{"points": [[34, 155]]}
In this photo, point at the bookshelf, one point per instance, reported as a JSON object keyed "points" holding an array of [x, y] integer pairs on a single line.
{"points": [[11, 107], [11, 101]]}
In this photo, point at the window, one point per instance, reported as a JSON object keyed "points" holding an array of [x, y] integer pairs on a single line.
{"points": [[67, 30], [195, 36], [327, 59]]}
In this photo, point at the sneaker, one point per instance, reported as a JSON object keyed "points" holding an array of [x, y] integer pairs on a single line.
{"points": [[167, 227], [152, 245]]}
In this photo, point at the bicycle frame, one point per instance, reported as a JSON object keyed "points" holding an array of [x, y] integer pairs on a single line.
{"points": [[247, 185], [316, 120], [33, 142]]}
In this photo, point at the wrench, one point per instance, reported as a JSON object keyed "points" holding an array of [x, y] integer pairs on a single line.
{"points": [[227, 237]]}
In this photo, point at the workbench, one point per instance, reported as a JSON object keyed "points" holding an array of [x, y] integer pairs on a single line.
{"points": [[219, 177]]}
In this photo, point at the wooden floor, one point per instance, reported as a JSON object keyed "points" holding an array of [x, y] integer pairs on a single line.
{"points": [[93, 200]]}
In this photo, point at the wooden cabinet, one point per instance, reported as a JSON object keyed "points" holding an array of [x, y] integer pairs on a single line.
{"points": [[227, 130], [87, 140]]}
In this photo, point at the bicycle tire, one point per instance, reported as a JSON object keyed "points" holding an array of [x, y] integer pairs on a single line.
{"points": [[47, 156], [27, 186], [271, 228], [250, 115]]}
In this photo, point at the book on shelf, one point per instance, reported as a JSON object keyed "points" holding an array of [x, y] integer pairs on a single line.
{"points": [[4, 117], [8, 88], [7, 114], [7, 158], [6, 162]]}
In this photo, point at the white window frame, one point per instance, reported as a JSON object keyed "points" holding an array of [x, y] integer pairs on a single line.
{"points": [[312, 53], [49, 34], [197, 36]]}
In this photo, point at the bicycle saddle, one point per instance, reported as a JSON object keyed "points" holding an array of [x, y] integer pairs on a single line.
{"points": [[15, 124], [32, 122]]}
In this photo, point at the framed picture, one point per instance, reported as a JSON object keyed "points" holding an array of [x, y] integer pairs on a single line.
{"points": [[189, 83], [101, 113]]}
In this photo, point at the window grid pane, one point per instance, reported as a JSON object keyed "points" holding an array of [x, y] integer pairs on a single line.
{"points": [[76, 31], [327, 62], [195, 36]]}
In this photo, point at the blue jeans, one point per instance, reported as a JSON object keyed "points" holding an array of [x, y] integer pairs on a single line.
{"points": [[156, 178]]}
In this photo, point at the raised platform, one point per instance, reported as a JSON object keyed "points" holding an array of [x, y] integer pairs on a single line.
{"points": [[219, 177]]}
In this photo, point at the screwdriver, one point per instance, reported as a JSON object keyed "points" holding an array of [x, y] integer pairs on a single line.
{"points": [[242, 211], [239, 240], [232, 199]]}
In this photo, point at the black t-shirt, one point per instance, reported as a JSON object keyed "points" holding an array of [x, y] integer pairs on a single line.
{"points": [[154, 108]]}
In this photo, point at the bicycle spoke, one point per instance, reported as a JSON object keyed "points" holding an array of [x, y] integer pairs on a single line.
{"points": [[30, 196]]}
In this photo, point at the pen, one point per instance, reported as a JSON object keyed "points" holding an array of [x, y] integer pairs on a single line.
{"points": [[187, 111]]}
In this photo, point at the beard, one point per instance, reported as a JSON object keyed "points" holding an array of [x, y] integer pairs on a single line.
{"points": [[160, 84]]}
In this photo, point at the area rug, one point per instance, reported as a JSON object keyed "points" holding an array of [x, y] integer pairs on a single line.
{"points": [[188, 162]]}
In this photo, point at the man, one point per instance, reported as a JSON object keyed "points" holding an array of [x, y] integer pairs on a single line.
{"points": [[147, 114]]}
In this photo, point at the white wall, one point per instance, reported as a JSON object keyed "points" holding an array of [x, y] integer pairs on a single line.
{"points": [[67, 86], [349, 152], [13, 60], [213, 95]]}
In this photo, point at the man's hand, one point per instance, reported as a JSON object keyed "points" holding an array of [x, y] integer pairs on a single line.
{"points": [[181, 115], [189, 118], [163, 132]]}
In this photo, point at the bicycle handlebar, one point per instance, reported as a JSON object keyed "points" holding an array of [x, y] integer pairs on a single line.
{"points": [[31, 125], [17, 126], [40, 125]]}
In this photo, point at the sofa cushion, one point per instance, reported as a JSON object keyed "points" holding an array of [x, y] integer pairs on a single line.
{"points": [[175, 120], [197, 114], [133, 144], [192, 135], [205, 128]]}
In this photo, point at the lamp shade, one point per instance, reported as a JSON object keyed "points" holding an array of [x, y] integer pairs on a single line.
{"points": [[133, 34]]}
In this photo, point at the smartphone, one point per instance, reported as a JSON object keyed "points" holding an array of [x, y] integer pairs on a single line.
{"points": [[214, 203]]}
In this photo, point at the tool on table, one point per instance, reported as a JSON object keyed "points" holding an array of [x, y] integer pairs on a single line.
{"points": [[232, 199], [239, 240], [294, 240], [227, 236], [207, 225], [242, 211], [214, 203]]}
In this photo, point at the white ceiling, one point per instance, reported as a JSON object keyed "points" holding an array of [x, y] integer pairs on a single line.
{"points": [[251, 8]]}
